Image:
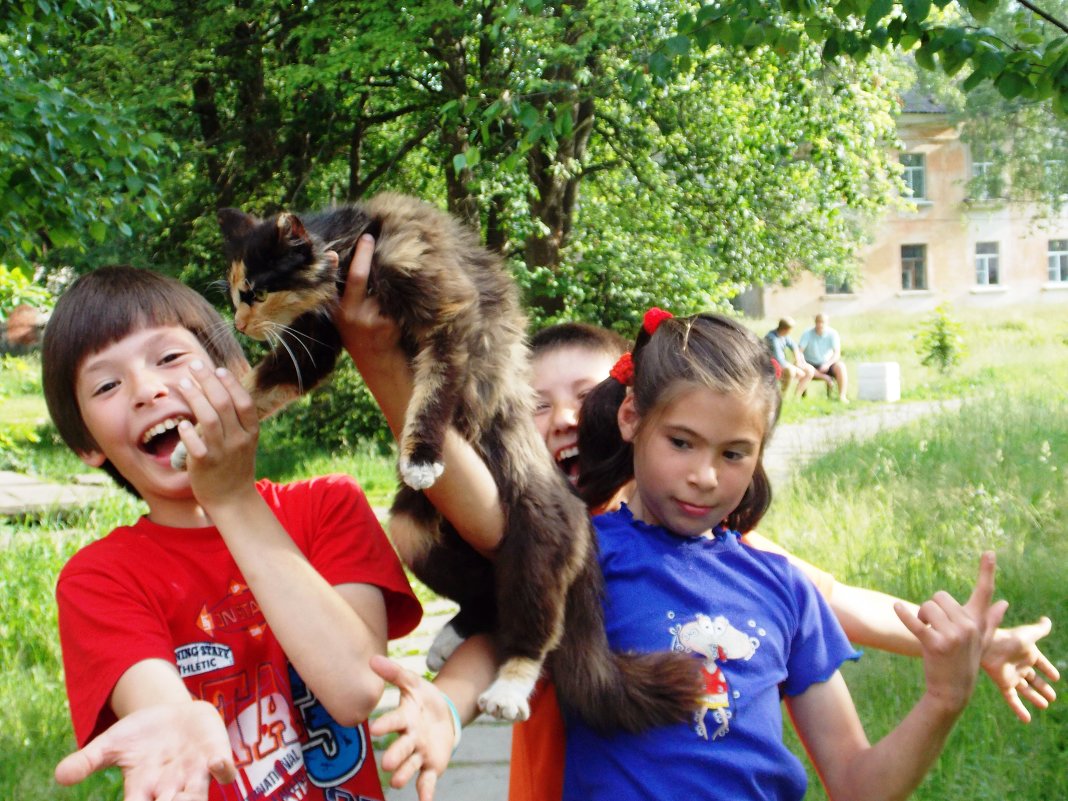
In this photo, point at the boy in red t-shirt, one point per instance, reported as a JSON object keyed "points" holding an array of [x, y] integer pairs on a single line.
{"points": [[228, 634]]}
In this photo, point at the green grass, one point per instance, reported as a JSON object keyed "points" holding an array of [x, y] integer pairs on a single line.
{"points": [[906, 513]]}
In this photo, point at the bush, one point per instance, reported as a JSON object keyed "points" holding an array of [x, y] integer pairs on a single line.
{"points": [[941, 344], [336, 417]]}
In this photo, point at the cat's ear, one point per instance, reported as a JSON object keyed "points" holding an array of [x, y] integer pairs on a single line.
{"points": [[235, 224], [290, 227]]}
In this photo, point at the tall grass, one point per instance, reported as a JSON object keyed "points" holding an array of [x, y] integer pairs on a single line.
{"points": [[908, 513]]}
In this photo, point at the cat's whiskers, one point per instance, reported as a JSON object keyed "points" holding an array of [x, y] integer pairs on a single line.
{"points": [[275, 335]]}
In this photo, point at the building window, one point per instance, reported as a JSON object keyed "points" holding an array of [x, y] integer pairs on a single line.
{"points": [[986, 264], [986, 182], [1058, 261], [837, 286], [915, 174], [914, 266]]}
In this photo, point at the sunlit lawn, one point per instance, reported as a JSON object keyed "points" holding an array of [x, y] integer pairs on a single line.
{"points": [[906, 513]]}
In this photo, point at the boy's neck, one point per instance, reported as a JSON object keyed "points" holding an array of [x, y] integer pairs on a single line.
{"points": [[178, 513]]}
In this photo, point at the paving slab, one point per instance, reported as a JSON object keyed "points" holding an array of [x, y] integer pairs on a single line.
{"points": [[21, 495]]}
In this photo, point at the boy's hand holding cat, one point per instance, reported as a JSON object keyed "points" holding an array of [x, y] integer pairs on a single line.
{"points": [[222, 446], [953, 638], [373, 341]]}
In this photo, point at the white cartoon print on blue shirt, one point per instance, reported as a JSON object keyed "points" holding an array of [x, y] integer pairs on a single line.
{"points": [[718, 642]]}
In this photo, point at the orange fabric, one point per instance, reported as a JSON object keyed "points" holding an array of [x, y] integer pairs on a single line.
{"points": [[537, 766]]}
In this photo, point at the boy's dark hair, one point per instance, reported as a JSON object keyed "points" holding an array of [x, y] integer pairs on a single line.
{"points": [[583, 335], [706, 350], [102, 307]]}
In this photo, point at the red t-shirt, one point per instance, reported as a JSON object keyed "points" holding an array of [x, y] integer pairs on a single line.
{"points": [[153, 592]]}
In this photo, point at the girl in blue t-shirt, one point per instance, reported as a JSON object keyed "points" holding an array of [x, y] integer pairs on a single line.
{"points": [[687, 417]]}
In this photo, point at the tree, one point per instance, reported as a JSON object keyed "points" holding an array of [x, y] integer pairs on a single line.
{"points": [[72, 168], [1030, 63]]}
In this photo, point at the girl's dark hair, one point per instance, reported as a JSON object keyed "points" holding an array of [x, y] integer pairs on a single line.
{"points": [[101, 308], [707, 350]]}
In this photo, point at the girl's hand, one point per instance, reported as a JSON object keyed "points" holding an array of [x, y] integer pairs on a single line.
{"points": [[953, 637], [1013, 661], [169, 751], [425, 727], [222, 446]]}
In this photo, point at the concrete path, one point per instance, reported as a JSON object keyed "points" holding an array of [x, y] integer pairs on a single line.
{"points": [[479, 770]]}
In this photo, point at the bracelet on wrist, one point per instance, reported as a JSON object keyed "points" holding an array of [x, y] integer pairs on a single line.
{"points": [[457, 726]]}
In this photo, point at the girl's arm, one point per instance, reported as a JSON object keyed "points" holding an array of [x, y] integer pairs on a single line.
{"points": [[424, 723], [952, 637], [465, 493], [318, 626], [166, 744], [1012, 658]]}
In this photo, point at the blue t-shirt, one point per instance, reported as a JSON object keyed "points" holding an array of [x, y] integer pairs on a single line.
{"points": [[778, 344], [817, 348], [760, 628]]}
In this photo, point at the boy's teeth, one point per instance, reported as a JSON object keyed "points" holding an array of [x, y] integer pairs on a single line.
{"points": [[160, 428]]}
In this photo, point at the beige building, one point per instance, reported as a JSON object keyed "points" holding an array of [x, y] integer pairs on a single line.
{"points": [[969, 251]]}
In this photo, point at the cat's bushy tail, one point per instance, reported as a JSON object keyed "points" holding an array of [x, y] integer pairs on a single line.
{"points": [[617, 691]]}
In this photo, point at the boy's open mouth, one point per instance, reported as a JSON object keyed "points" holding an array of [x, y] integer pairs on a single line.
{"points": [[162, 438], [567, 460]]}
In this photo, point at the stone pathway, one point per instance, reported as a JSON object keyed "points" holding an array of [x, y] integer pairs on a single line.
{"points": [[479, 770]]}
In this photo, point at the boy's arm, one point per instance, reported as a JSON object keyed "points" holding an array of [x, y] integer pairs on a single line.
{"points": [[466, 493], [952, 637], [318, 626], [165, 742]]}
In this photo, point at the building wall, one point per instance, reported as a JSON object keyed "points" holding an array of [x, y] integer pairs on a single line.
{"points": [[949, 225]]}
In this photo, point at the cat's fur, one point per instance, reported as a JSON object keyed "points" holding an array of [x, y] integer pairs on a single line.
{"points": [[462, 327]]}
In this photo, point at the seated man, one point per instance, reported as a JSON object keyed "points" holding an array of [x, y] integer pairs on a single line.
{"points": [[822, 348], [779, 341]]}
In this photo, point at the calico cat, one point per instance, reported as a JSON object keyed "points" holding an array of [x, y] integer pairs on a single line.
{"points": [[463, 329]]}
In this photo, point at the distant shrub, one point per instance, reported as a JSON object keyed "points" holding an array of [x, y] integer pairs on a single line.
{"points": [[940, 342], [337, 416]]}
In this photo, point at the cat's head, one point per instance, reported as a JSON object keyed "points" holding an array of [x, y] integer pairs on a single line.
{"points": [[278, 271]]}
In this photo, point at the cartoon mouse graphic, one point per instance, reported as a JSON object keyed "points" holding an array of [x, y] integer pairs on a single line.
{"points": [[717, 641]]}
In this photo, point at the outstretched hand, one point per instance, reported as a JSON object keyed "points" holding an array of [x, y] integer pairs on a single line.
{"points": [[168, 751], [1014, 662], [424, 725], [953, 637]]}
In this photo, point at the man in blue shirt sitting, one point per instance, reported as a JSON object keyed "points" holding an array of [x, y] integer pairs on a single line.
{"points": [[779, 341], [822, 348]]}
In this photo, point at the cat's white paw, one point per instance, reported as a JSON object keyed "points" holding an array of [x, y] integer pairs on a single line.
{"points": [[179, 456], [506, 700], [447, 641], [420, 475]]}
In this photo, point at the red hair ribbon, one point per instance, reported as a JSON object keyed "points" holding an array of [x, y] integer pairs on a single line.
{"points": [[623, 370], [653, 318]]}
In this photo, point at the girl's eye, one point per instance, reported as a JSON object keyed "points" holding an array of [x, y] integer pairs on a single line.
{"points": [[541, 408], [679, 443], [167, 358]]}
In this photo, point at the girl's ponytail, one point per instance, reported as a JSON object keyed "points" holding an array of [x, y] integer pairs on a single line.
{"points": [[606, 461]]}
